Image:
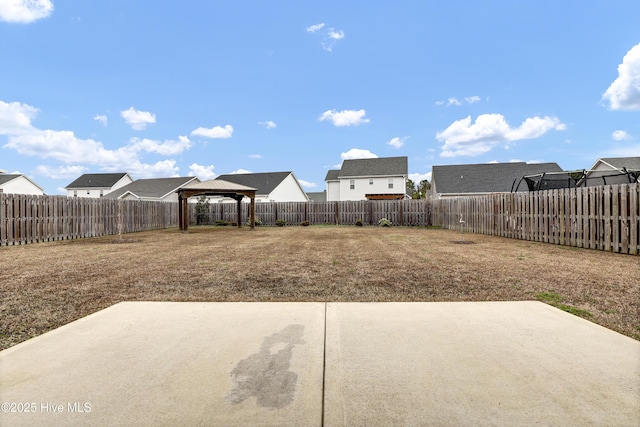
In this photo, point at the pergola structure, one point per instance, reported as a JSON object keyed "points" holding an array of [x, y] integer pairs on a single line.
{"points": [[215, 187]]}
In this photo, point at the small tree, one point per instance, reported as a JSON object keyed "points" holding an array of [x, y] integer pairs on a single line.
{"points": [[202, 209]]}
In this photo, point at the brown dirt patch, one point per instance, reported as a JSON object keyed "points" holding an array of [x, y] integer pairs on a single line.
{"points": [[47, 285]]}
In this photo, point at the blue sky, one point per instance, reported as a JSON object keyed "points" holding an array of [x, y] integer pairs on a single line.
{"points": [[205, 88]]}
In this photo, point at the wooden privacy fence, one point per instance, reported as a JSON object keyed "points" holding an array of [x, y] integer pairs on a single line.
{"points": [[604, 217], [399, 212], [30, 219]]}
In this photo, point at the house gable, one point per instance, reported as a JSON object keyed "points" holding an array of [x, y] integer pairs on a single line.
{"points": [[19, 184], [270, 186]]}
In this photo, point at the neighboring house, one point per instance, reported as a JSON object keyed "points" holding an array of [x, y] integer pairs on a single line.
{"points": [[97, 184], [485, 178], [368, 179], [317, 196], [270, 186], [19, 184], [613, 170], [152, 189]]}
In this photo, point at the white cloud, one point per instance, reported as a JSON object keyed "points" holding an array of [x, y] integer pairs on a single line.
{"points": [[255, 156], [161, 169], [165, 148], [397, 142], [25, 11], [344, 117], [462, 138], [307, 184], [268, 124], [335, 35], [61, 172], [620, 135], [456, 102], [138, 120], [357, 153], [328, 37], [417, 177], [624, 92], [66, 147], [315, 27], [239, 171], [214, 132], [204, 173], [101, 118], [16, 117]]}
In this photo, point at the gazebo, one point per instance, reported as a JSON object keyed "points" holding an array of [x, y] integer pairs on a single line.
{"points": [[215, 187]]}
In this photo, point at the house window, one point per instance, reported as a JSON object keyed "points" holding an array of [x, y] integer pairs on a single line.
{"points": [[352, 184], [390, 182], [370, 181]]}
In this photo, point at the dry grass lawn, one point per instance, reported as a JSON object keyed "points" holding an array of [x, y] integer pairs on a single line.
{"points": [[47, 285]]}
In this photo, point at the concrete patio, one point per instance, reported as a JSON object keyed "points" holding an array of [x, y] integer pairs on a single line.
{"points": [[333, 364]]}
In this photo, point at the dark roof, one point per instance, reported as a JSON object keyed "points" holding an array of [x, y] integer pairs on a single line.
{"points": [[153, 188], [264, 183], [96, 180], [317, 196], [631, 163], [381, 166], [332, 175], [4, 178], [485, 177]]}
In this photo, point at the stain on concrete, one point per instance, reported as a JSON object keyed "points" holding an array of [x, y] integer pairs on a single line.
{"points": [[266, 375]]}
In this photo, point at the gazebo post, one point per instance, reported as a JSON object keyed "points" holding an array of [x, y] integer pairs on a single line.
{"points": [[180, 220], [184, 210], [252, 211]]}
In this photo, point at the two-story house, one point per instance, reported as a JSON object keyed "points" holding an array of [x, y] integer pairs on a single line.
{"points": [[381, 178], [97, 184]]}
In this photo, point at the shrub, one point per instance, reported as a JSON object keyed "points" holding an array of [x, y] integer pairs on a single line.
{"points": [[359, 222], [202, 210], [280, 222], [384, 222], [304, 223], [220, 222]]}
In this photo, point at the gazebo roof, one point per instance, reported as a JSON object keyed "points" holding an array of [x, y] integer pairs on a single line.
{"points": [[218, 185]]}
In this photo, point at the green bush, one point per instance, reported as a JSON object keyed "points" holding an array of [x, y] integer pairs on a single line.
{"points": [[304, 223], [384, 222], [220, 222], [280, 222], [359, 222]]}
